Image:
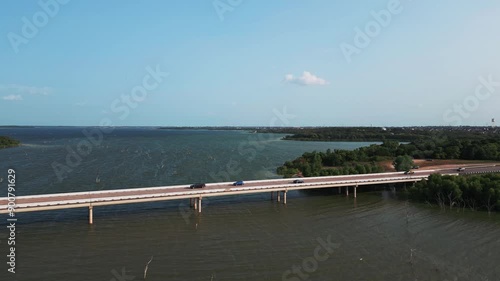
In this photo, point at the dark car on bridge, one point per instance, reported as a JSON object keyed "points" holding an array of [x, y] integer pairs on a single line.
{"points": [[410, 172], [298, 181], [197, 185], [238, 183]]}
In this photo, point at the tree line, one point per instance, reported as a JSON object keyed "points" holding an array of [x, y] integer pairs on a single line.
{"points": [[473, 192], [338, 162], [367, 159], [402, 134]]}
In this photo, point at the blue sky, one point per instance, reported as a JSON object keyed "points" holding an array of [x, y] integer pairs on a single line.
{"points": [[239, 62]]}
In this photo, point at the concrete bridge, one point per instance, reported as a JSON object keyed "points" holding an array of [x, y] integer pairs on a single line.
{"points": [[276, 187]]}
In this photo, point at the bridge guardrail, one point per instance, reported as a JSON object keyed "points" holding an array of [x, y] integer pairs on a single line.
{"points": [[221, 191]]}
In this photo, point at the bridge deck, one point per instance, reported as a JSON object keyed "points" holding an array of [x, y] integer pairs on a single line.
{"points": [[151, 194]]}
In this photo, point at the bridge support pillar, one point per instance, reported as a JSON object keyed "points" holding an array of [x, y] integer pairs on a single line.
{"points": [[284, 197], [278, 196], [199, 205], [340, 190], [355, 191], [195, 200], [346, 191], [91, 215]]}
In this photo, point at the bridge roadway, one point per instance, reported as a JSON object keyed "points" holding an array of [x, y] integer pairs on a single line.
{"points": [[276, 186]]}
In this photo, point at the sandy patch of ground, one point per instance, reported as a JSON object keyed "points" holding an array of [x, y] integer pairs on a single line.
{"points": [[440, 164]]}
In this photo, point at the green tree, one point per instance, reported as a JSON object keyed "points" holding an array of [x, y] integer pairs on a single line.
{"points": [[403, 163], [317, 163]]}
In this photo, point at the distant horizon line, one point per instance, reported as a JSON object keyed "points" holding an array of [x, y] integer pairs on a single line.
{"points": [[251, 126]]}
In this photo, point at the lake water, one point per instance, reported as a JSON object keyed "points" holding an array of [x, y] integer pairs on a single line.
{"points": [[318, 235]]}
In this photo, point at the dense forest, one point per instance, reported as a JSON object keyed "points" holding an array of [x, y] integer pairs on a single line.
{"points": [[366, 159], [336, 162], [8, 142], [472, 192], [401, 134]]}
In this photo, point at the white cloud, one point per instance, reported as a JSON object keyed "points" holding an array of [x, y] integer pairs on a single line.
{"points": [[307, 78], [23, 89], [12, 97]]}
